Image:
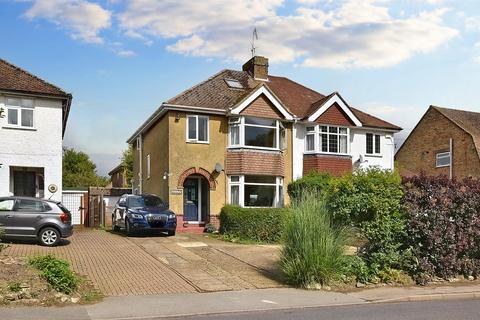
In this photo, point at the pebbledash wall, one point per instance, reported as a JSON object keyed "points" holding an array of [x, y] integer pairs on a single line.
{"points": [[39, 147], [357, 152]]}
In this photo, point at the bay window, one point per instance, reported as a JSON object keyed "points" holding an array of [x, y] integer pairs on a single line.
{"points": [[256, 133], [326, 139], [20, 112], [197, 129], [256, 191]]}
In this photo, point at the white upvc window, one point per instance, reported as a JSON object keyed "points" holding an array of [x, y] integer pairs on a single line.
{"points": [[148, 166], [197, 129], [442, 159], [372, 144], [255, 191], [20, 112], [327, 139], [257, 133]]}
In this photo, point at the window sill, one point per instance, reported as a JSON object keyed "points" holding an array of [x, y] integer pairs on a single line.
{"points": [[253, 148], [197, 142], [327, 153], [373, 156], [20, 128], [444, 166]]}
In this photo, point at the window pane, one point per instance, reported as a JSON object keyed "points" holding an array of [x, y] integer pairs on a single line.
{"points": [[281, 201], [343, 130], [13, 116], [324, 142], [259, 196], [333, 129], [369, 143], [310, 142], [234, 135], [260, 122], [192, 128], [343, 144], [310, 129], [377, 143], [27, 118], [260, 137], [27, 103], [13, 102], [234, 178], [323, 128], [29, 205], [260, 179], [6, 205], [235, 195], [333, 143], [202, 129], [443, 159]]}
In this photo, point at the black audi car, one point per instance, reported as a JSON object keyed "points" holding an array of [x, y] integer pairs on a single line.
{"points": [[146, 212]]}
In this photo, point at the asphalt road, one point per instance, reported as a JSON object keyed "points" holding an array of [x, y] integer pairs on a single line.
{"points": [[430, 310]]}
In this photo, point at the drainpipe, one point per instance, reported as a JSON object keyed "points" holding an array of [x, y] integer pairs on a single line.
{"points": [[140, 172], [451, 158]]}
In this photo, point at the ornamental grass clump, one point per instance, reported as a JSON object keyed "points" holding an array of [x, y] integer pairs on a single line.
{"points": [[313, 252]]}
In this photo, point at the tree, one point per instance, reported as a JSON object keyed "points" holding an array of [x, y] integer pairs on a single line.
{"points": [[79, 171], [127, 163]]}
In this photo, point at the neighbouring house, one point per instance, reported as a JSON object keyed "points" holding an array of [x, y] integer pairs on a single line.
{"points": [[118, 177], [444, 142], [240, 137], [33, 116]]}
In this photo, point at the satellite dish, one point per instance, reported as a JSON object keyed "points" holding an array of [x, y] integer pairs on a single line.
{"points": [[218, 167], [52, 188]]}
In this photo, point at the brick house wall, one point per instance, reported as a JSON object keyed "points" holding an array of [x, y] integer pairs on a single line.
{"points": [[335, 165], [431, 136], [262, 107], [335, 116], [255, 162]]}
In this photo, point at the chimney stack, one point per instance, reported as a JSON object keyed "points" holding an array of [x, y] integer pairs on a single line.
{"points": [[257, 67]]}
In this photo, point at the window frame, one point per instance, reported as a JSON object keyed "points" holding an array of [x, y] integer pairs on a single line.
{"points": [[19, 109], [444, 165], [148, 166], [317, 147], [187, 126], [278, 197], [375, 136], [241, 124]]}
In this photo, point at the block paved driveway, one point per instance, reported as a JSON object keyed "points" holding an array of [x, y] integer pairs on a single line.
{"points": [[118, 265]]}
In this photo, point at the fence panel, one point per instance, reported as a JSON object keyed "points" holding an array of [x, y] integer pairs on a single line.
{"points": [[73, 202]]}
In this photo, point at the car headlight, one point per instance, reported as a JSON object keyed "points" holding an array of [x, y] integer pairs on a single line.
{"points": [[171, 216], [137, 216]]}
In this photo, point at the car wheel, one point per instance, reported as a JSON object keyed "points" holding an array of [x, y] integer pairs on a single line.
{"points": [[49, 237], [171, 233], [128, 229], [114, 226]]}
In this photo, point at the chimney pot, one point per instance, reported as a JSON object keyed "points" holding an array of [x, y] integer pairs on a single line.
{"points": [[257, 67]]}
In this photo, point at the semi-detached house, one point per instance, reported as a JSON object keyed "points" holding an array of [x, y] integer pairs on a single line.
{"points": [[33, 117], [241, 137]]}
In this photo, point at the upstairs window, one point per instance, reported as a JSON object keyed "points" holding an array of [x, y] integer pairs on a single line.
{"points": [[197, 129], [20, 112], [373, 144], [257, 133], [442, 159], [326, 139]]}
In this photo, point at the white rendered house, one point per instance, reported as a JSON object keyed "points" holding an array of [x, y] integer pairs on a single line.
{"points": [[33, 116]]}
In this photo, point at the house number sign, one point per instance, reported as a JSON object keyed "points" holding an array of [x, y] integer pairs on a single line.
{"points": [[176, 191]]}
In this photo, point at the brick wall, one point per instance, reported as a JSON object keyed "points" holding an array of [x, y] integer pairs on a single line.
{"points": [[262, 107], [431, 136], [335, 165], [255, 162], [335, 115]]}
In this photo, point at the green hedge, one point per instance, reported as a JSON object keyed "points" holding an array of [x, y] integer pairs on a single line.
{"points": [[314, 182], [253, 224]]}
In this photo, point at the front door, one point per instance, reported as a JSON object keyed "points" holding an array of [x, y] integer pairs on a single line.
{"points": [[191, 205], [24, 184]]}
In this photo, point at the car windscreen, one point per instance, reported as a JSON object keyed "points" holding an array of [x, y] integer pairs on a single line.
{"points": [[145, 201]]}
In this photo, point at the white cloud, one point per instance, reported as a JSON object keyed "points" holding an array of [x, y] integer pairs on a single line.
{"points": [[125, 53], [350, 33], [82, 18]]}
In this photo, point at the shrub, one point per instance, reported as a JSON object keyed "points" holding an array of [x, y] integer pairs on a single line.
{"points": [[371, 200], [253, 224], [443, 226], [313, 244], [314, 182], [57, 272]]}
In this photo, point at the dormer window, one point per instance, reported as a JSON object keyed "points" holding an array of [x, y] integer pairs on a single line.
{"points": [[235, 84]]}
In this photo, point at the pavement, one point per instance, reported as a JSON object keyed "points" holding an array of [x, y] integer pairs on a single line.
{"points": [[236, 302]]}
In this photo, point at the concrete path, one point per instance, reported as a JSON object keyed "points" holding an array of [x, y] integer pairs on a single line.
{"points": [[168, 305]]}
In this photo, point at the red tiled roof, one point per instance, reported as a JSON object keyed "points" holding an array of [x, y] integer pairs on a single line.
{"points": [[13, 78], [298, 99]]}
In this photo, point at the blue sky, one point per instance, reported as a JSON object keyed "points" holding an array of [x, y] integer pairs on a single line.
{"points": [[121, 58]]}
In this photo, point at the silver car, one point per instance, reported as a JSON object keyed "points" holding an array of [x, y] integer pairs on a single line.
{"points": [[45, 220]]}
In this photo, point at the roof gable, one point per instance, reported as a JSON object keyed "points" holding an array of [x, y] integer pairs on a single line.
{"points": [[262, 107], [334, 100], [336, 116]]}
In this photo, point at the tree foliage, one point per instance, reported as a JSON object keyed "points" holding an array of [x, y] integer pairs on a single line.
{"points": [[127, 163], [79, 171]]}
